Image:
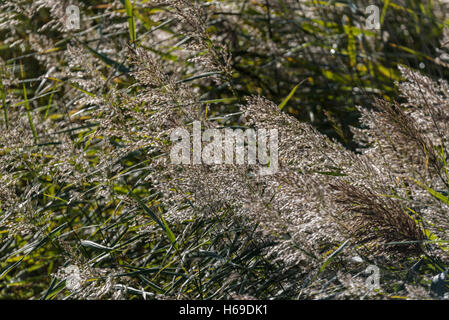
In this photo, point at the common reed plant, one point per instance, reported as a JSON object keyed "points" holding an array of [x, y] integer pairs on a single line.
{"points": [[92, 205]]}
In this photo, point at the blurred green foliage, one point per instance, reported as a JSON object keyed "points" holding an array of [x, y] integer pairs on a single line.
{"points": [[326, 48]]}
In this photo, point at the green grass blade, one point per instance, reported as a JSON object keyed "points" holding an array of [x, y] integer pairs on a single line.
{"points": [[169, 233], [283, 103], [5, 110], [384, 11], [434, 193], [48, 106], [161, 222], [118, 66], [203, 75], [94, 245], [9, 268], [30, 119], [131, 23], [335, 253]]}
